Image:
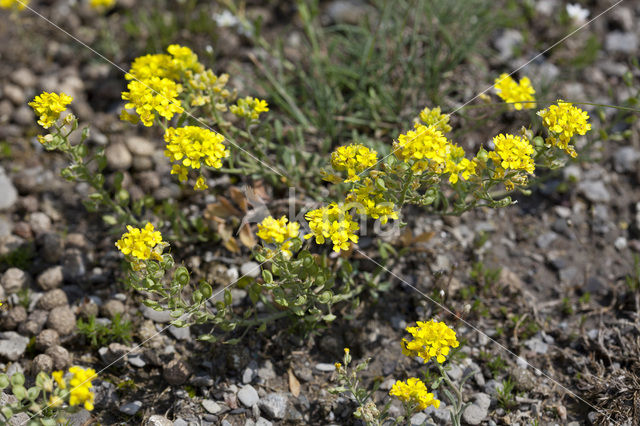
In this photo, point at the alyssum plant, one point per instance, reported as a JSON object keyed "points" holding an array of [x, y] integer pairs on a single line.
{"points": [[425, 168]]}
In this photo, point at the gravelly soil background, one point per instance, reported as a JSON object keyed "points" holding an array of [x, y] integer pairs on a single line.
{"points": [[549, 282]]}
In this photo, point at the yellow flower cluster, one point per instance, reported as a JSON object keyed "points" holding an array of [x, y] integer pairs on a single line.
{"points": [[80, 385], [140, 242], [279, 232], [414, 392], [151, 96], [201, 84], [249, 107], [369, 200], [102, 4], [427, 147], [457, 165], [335, 223], [520, 94], [512, 152], [431, 339], [180, 60], [435, 117], [353, 159], [189, 146], [49, 106], [563, 122], [13, 4]]}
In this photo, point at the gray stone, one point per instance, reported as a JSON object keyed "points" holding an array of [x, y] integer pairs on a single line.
{"points": [[263, 422], [23, 115], [537, 345], [247, 375], [158, 420], [140, 146], [13, 280], [180, 333], [266, 372], [62, 319], [131, 408], [73, 267], [114, 354], [274, 405], [176, 373], [325, 367], [248, 396], [474, 414], [53, 299], [418, 419], [251, 269], [454, 372], [507, 42], [46, 339], [40, 223], [12, 345], [348, 11], [625, 159], [35, 323], [24, 78], [15, 94], [16, 316], [51, 278], [40, 363], [492, 387], [136, 360], [105, 394], [60, 356], [118, 157], [544, 240], [482, 400], [618, 41], [211, 406], [202, 381], [112, 307], [156, 316]]}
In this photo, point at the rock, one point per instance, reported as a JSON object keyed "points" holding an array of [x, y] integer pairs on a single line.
{"points": [[251, 269], [40, 363], [537, 345], [12, 345], [136, 360], [24, 78], [248, 396], [263, 422], [81, 418], [51, 278], [176, 373], [325, 367], [454, 372], [523, 379], [180, 333], [118, 157], [62, 319], [105, 394], [51, 247], [620, 243], [111, 308], [158, 420], [60, 356], [140, 146], [34, 324], [114, 354], [507, 42], [156, 316], [40, 223], [73, 267], [594, 191], [621, 42], [418, 419], [247, 375], [15, 94], [474, 414], [87, 309], [348, 11], [274, 405], [211, 406], [53, 299], [46, 339], [625, 159], [266, 372], [13, 280], [492, 387], [131, 408], [13, 318], [23, 115], [482, 400], [544, 240]]}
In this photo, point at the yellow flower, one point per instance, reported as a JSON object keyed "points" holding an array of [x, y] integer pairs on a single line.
{"points": [[49, 106], [426, 148], [431, 339], [184, 60], [513, 152], [434, 117], [414, 392], [201, 184], [55, 401], [140, 242], [102, 4], [520, 94], [458, 165], [147, 66], [563, 122], [58, 376], [335, 223], [153, 96], [369, 200], [80, 384], [279, 232], [14, 4], [190, 146], [354, 159], [249, 107]]}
